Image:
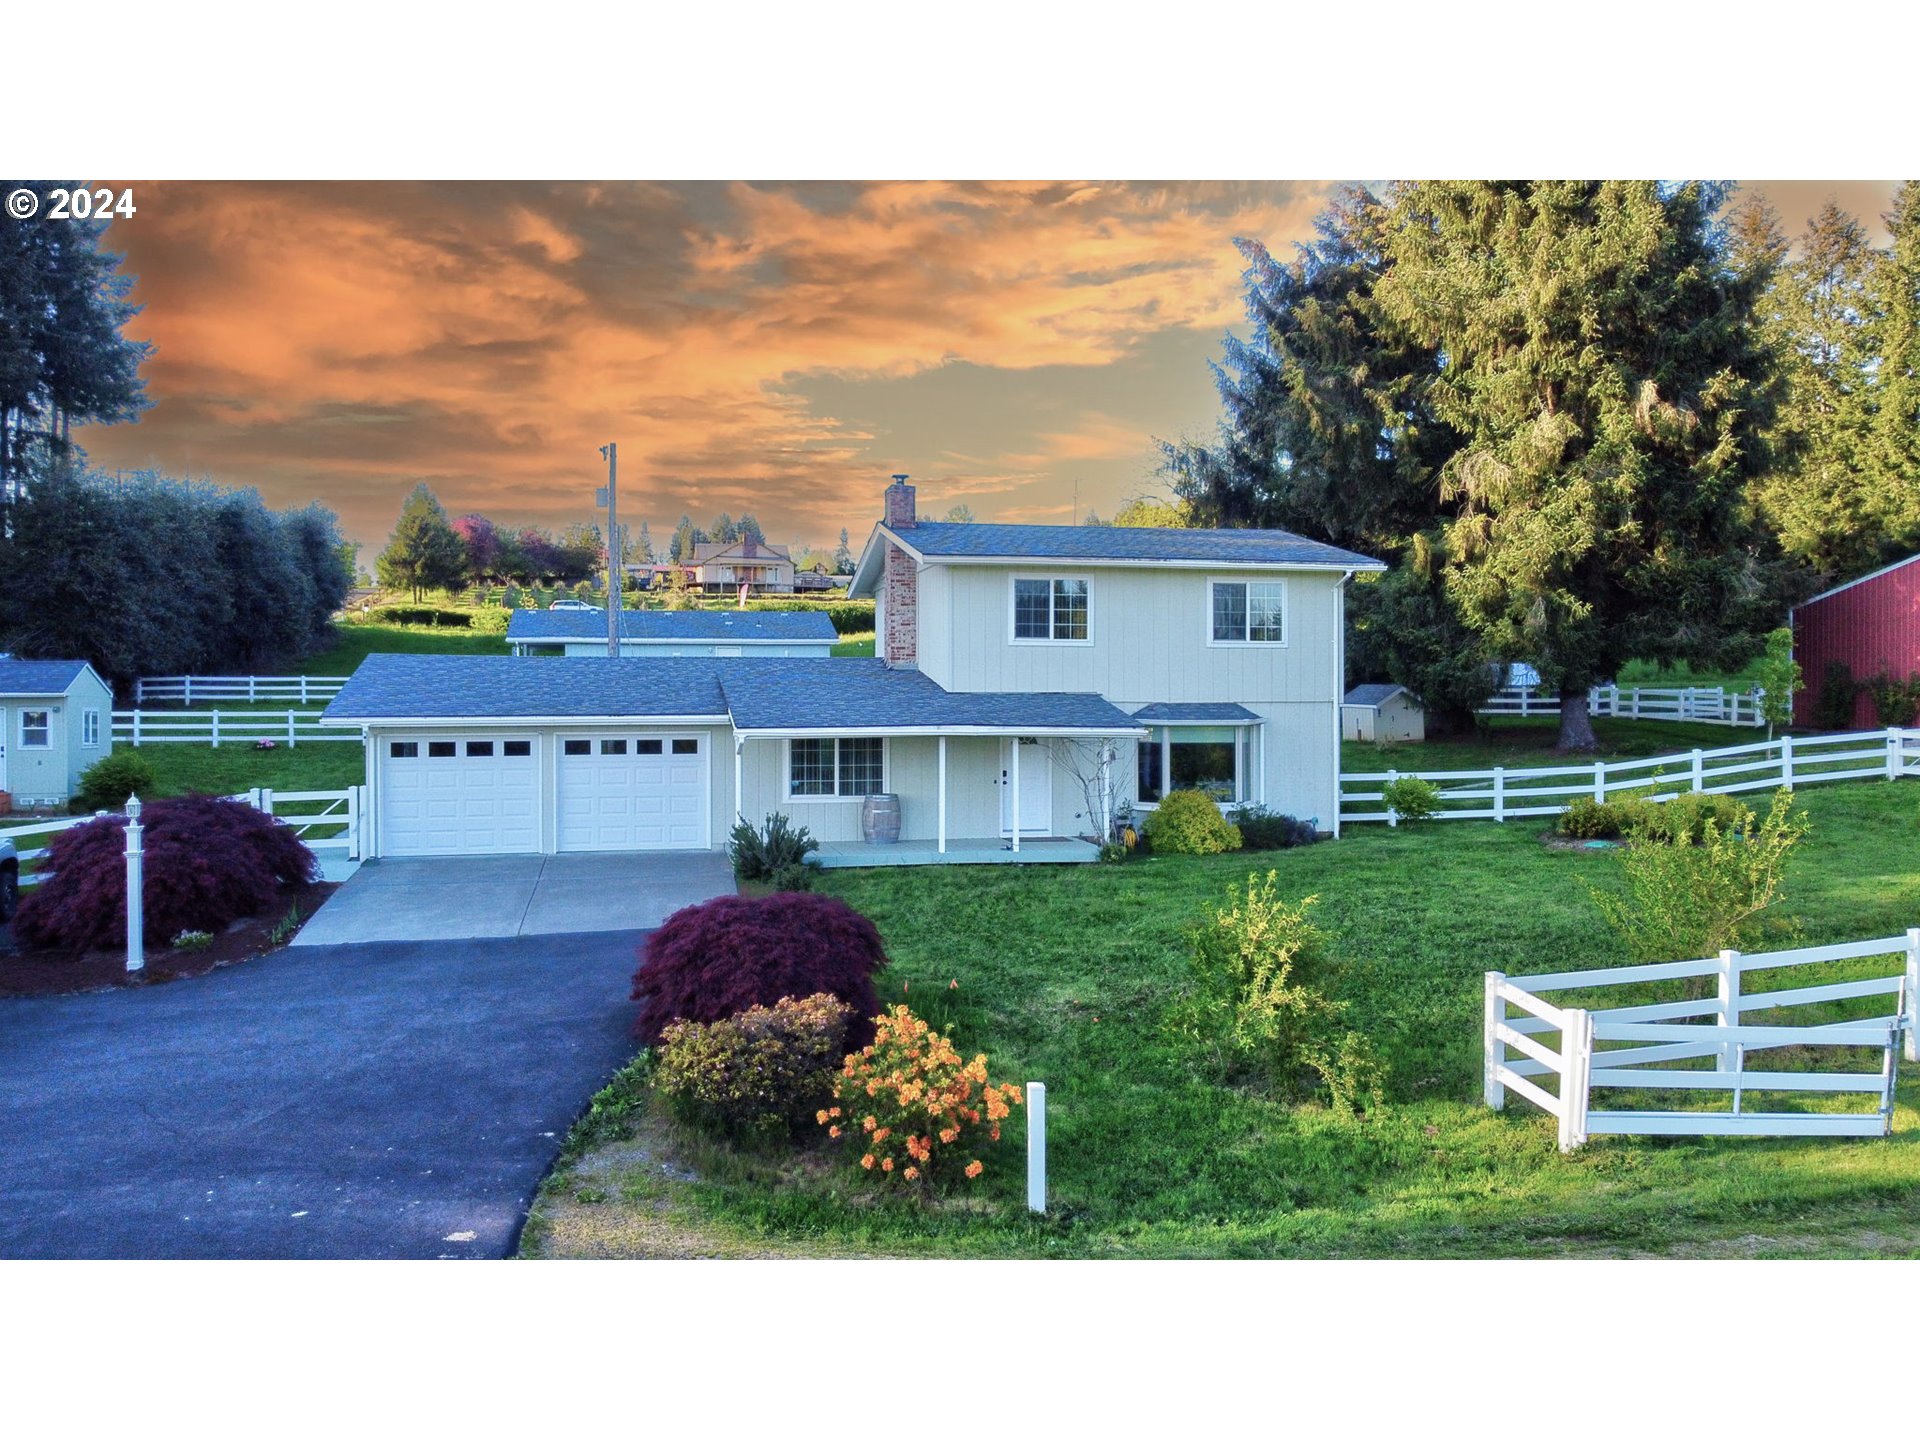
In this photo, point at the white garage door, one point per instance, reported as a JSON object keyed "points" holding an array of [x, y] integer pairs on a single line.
{"points": [[459, 795], [633, 792]]}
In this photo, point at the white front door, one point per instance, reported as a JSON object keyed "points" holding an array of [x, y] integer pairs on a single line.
{"points": [[633, 792], [1036, 787], [459, 795]]}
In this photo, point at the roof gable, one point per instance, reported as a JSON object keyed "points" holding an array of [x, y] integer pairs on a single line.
{"points": [[39, 677]]}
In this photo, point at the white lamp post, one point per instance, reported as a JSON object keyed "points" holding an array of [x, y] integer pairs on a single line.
{"points": [[136, 889]]}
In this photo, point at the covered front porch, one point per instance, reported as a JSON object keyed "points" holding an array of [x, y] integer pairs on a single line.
{"points": [[1034, 850]]}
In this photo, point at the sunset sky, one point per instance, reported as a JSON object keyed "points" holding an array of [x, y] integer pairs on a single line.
{"points": [[778, 348]]}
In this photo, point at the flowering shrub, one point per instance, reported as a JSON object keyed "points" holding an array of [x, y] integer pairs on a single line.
{"points": [[914, 1105], [714, 960], [208, 862], [266, 744], [762, 1070]]}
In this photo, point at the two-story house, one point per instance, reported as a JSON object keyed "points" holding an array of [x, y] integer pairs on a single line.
{"points": [[1028, 678]]}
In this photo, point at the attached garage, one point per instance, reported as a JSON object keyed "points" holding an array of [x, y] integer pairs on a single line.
{"points": [[634, 791], [459, 794]]}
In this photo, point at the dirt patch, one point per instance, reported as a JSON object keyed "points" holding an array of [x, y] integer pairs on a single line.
{"points": [[1554, 840], [60, 972]]}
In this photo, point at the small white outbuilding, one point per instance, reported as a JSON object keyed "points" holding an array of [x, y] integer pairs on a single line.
{"points": [[1383, 713], [56, 719]]}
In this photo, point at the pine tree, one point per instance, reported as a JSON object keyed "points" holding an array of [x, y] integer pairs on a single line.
{"points": [[842, 555], [685, 537], [749, 529], [1822, 495], [1896, 427], [723, 531], [1604, 373], [425, 552], [643, 550], [961, 514]]}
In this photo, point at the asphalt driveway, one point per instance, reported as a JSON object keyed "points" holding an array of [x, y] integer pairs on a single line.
{"points": [[498, 896], [383, 1101]]}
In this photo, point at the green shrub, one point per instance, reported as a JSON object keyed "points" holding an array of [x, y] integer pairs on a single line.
{"points": [[491, 621], [1189, 823], [192, 940], [1833, 705], [763, 1071], [796, 875], [106, 784], [1588, 819], [1681, 820], [424, 615], [1259, 1002], [1411, 798], [763, 853], [1686, 902], [849, 617], [1264, 829], [1894, 701]]}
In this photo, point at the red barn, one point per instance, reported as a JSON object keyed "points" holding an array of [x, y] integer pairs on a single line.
{"points": [[1870, 624]]}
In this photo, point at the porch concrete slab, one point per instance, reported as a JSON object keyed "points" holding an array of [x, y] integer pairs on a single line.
{"points": [[501, 896]]}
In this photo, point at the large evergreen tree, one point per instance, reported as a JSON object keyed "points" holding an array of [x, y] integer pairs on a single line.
{"points": [[425, 552], [685, 537], [1896, 424], [63, 359], [1603, 370], [842, 556]]}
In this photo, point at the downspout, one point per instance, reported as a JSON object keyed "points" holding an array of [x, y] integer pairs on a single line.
{"points": [[1339, 683]]}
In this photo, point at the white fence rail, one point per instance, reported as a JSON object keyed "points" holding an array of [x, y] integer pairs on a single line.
{"points": [[199, 689], [1705, 704], [1519, 793], [1517, 1060], [217, 727], [328, 820]]}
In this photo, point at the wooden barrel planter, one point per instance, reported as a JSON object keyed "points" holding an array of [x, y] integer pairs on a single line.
{"points": [[880, 819]]}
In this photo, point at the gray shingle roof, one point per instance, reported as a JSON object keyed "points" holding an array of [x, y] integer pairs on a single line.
{"points": [[1174, 714], [38, 677], [458, 687], [1120, 542], [1373, 694], [670, 625], [773, 694], [846, 694]]}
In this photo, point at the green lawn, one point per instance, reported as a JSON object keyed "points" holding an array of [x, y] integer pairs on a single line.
{"points": [[324, 765], [358, 640], [1072, 969], [855, 644], [1531, 741]]}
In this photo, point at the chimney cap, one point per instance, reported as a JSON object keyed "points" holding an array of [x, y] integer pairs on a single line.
{"points": [[902, 479]]}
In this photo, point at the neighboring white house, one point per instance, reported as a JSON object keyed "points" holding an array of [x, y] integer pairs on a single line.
{"points": [[1383, 713], [764, 569], [1029, 678], [663, 633], [56, 719]]}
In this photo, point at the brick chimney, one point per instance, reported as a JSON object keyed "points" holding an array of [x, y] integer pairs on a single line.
{"points": [[747, 548], [900, 587], [899, 504]]}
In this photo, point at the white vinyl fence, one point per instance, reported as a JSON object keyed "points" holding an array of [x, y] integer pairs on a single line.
{"points": [[1522, 792], [200, 689], [1610, 1049], [328, 820], [217, 727], [1706, 704]]}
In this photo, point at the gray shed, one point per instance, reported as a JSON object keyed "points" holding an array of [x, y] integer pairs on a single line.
{"points": [[1382, 712]]}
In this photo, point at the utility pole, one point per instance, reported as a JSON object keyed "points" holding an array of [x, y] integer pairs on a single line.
{"points": [[610, 497]]}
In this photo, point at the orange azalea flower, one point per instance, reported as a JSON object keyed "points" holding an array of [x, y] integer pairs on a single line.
{"points": [[820, 1116], [947, 1137], [866, 1161], [973, 1170], [833, 1132], [911, 1173], [887, 1164]]}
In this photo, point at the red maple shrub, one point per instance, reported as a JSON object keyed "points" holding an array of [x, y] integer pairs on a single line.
{"points": [[712, 961], [208, 863]]}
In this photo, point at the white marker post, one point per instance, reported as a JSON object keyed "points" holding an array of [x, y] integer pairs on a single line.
{"points": [[1036, 1147], [136, 890]]}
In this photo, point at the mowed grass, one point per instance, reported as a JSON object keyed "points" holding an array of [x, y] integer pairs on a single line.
{"points": [[183, 768], [860, 643], [1071, 970], [1518, 742]]}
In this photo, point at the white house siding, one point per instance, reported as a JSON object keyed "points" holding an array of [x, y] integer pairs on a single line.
{"points": [[51, 776], [1149, 631]]}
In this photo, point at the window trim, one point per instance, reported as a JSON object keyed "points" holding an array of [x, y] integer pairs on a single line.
{"points": [[1249, 761], [1286, 613], [89, 724], [786, 760], [1013, 608], [45, 726]]}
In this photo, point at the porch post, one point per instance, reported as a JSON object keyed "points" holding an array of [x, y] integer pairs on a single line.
{"points": [[1013, 779], [943, 795], [739, 809]]}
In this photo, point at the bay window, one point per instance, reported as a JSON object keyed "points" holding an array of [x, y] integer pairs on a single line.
{"points": [[1217, 759]]}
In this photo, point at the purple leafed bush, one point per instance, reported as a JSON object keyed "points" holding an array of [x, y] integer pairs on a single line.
{"points": [[715, 960], [208, 863]]}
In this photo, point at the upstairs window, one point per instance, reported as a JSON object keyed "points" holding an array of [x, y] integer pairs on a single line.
{"points": [[1249, 612], [1050, 610]]}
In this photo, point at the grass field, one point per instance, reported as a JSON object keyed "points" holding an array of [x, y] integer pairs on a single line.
{"points": [[1530, 742], [1071, 970]]}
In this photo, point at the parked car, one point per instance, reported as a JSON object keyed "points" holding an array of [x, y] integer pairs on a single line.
{"points": [[9, 879], [572, 605]]}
